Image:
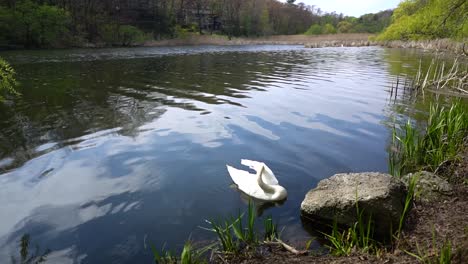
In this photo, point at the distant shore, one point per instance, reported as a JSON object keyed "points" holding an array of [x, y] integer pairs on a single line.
{"points": [[267, 40], [315, 41], [308, 41]]}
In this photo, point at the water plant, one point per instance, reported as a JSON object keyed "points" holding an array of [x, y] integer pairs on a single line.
{"points": [[189, 255], [439, 78], [439, 143], [358, 236], [411, 194], [271, 229], [232, 234]]}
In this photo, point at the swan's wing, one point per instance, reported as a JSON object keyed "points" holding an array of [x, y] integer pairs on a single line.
{"points": [[245, 181], [240, 177], [268, 176]]}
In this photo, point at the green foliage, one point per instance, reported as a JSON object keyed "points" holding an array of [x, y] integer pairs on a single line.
{"points": [[315, 29], [408, 202], [359, 236], [231, 233], [428, 19], [189, 255], [130, 35], [121, 35], [271, 229], [7, 79], [438, 143], [436, 255], [345, 27], [372, 23], [32, 24], [329, 29]]}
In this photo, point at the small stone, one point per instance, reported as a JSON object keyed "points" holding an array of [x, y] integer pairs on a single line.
{"points": [[429, 185]]}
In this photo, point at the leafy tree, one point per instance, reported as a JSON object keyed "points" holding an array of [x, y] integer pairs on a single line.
{"points": [[315, 29], [345, 27], [329, 29], [7, 79], [129, 35], [428, 19], [32, 24], [124, 35]]}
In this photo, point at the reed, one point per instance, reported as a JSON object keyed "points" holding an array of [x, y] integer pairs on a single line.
{"points": [[233, 233], [440, 77], [408, 202], [248, 234], [439, 143], [189, 255], [271, 229], [359, 236]]}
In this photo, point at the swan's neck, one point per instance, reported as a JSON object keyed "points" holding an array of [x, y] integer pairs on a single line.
{"points": [[263, 185]]}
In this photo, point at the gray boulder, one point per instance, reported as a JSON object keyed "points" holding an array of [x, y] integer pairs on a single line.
{"points": [[378, 195], [429, 186]]}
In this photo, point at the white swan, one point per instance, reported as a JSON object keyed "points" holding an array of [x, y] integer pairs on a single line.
{"points": [[263, 185]]}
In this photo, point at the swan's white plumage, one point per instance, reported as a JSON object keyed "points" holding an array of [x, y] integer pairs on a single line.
{"points": [[249, 183]]}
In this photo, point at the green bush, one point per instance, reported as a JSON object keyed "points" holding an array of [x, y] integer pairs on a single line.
{"points": [[130, 35], [314, 30], [329, 29], [31, 24], [121, 35], [345, 27], [7, 79]]}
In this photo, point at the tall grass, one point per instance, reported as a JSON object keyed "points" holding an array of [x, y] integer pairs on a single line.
{"points": [[440, 77], [411, 194], [359, 236], [189, 255], [234, 233], [440, 142], [434, 255], [271, 229]]}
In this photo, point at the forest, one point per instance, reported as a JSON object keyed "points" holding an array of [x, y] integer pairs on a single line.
{"points": [[76, 23], [63, 23]]}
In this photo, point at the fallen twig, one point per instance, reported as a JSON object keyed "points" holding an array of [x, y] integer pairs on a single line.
{"points": [[287, 247]]}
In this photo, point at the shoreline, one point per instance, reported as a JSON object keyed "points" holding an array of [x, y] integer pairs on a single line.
{"points": [[221, 40], [308, 41]]}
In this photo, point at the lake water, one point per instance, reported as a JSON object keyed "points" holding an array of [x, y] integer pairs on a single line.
{"points": [[110, 150]]}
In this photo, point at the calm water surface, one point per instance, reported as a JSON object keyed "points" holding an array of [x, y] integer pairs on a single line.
{"points": [[110, 150]]}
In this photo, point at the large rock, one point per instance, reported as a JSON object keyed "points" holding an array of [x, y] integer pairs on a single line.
{"points": [[379, 195], [429, 186]]}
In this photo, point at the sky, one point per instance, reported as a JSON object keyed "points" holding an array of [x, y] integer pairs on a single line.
{"points": [[352, 7]]}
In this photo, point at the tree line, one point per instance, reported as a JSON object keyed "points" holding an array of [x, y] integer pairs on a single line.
{"points": [[42, 23], [46, 23], [331, 23]]}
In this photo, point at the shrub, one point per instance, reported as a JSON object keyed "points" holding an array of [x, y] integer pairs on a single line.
{"points": [[7, 79], [314, 30]]}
